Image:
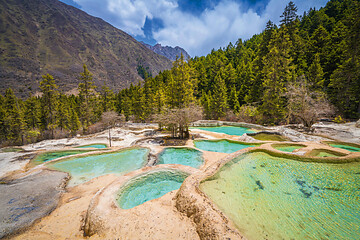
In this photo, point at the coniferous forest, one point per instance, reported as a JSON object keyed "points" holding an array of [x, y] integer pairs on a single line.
{"points": [[306, 68]]}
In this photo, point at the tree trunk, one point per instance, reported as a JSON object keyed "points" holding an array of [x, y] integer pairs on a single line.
{"points": [[109, 138]]}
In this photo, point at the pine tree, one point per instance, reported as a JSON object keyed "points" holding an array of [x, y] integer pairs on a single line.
{"points": [[107, 99], [207, 103], [277, 72], [219, 98], [316, 74], [49, 102], [14, 122], [289, 14], [86, 93], [180, 88], [233, 100], [63, 113], [32, 112]]}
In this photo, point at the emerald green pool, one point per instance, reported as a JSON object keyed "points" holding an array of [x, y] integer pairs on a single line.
{"points": [[270, 197], [48, 156], [185, 156], [346, 147], [287, 148], [99, 146], [325, 153], [83, 169], [230, 130], [150, 186], [223, 146]]}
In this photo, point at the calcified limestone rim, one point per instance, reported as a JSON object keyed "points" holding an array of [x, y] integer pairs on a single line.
{"points": [[212, 223], [103, 211]]}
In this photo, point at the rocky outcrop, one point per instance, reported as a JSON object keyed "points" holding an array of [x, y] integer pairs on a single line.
{"points": [[40, 193], [357, 124], [169, 52]]}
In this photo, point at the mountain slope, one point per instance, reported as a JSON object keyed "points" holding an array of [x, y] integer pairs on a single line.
{"points": [[169, 52], [48, 36]]}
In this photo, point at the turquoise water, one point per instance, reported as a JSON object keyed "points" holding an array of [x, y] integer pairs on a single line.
{"points": [[230, 130], [48, 156], [94, 146], [346, 147], [150, 186], [185, 156], [83, 169], [223, 146], [277, 198], [287, 148]]}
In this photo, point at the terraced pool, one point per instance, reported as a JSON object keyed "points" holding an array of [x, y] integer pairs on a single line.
{"points": [[185, 156], [270, 197], [48, 156], [287, 147], [149, 186], [83, 169], [351, 148], [223, 146], [230, 130], [99, 146]]}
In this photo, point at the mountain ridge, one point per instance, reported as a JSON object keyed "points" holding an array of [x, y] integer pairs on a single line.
{"points": [[169, 52]]}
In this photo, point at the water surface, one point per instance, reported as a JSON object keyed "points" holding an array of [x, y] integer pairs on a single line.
{"points": [[287, 148], [48, 156], [83, 169], [346, 147], [230, 130], [150, 186], [184, 156], [99, 146], [276, 198], [223, 146]]}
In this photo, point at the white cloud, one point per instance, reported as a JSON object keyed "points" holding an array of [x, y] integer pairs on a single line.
{"points": [[213, 28]]}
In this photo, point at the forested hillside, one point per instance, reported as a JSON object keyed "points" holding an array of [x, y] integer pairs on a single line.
{"points": [[318, 50], [304, 69]]}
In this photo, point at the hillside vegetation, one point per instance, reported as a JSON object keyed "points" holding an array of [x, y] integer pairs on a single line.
{"points": [[47, 36]]}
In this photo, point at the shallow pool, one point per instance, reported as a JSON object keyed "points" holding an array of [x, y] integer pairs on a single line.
{"points": [[184, 156], [230, 130], [223, 146], [99, 146], [149, 186], [269, 137], [83, 169], [287, 147], [346, 147], [48, 156], [276, 198], [325, 153]]}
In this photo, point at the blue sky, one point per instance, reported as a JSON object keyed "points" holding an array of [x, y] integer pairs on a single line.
{"points": [[196, 25]]}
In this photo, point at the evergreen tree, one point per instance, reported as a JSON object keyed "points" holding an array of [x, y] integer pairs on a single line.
{"points": [[180, 88], [277, 72], [233, 100], [316, 74], [107, 99], [49, 102], [32, 112], [289, 14], [86, 93], [14, 122], [219, 103]]}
